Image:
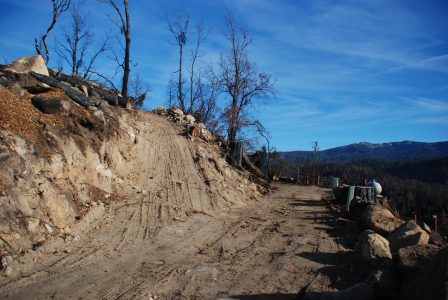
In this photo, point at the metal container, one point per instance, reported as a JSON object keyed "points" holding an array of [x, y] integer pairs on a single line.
{"points": [[376, 186], [350, 196]]}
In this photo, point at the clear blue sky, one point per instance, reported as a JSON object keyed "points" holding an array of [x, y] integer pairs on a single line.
{"points": [[346, 71]]}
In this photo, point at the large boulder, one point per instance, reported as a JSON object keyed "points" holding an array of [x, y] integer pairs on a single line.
{"points": [[415, 258], [375, 249], [385, 284], [408, 234], [431, 282], [27, 64], [380, 219]]}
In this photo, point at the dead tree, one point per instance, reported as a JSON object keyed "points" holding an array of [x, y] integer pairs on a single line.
{"points": [[240, 78], [125, 29], [88, 68], [41, 45], [171, 92], [138, 91], [179, 30], [196, 77], [209, 89], [263, 132], [75, 46]]}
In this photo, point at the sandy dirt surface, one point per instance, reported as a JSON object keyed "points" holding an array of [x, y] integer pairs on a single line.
{"points": [[172, 239]]}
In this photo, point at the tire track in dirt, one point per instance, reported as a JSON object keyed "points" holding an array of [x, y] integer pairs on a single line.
{"points": [[169, 235]]}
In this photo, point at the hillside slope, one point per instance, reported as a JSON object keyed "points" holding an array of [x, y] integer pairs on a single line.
{"points": [[58, 167]]}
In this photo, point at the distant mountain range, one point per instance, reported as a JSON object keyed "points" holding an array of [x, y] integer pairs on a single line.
{"points": [[395, 151]]}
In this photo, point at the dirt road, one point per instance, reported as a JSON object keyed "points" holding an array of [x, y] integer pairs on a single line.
{"points": [[170, 238]]}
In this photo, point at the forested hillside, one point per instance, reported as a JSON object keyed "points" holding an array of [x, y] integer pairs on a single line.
{"points": [[406, 150]]}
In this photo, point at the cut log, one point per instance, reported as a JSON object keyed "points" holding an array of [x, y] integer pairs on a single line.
{"points": [[110, 96], [75, 95]]}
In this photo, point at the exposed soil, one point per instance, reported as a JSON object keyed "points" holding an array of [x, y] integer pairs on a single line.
{"points": [[179, 224], [273, 247]]}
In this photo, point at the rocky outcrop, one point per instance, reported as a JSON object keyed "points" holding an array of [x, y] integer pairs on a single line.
{"points": [[29, 64], [193, 128], [415, 258], [408, 234], [380, 220], [55, 166], [431, 282], [375, 249]]}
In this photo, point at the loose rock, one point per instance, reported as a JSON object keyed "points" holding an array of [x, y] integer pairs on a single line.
{"points": [[408, 234], [375, 249], [190, 119], [28, 64], [380, 220]]}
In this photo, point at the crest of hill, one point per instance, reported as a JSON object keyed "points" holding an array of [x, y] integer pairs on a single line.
{"points": [[394, 151]]}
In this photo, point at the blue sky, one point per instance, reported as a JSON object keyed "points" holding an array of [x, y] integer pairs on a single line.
{"points": [[346, 71]]}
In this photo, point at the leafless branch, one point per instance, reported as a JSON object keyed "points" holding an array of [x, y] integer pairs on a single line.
{"points": [[59, 7]]}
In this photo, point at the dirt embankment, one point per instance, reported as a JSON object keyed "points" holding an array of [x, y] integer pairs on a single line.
{"points": [[58, 167]]}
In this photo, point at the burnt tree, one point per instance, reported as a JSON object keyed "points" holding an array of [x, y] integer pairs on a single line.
{"points": [[41, 45], [179, 31], [125, 29], [74, 47], [240, 78]]}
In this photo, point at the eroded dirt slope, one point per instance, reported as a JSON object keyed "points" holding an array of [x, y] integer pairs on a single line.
{"points": [[147, 176], [54, 173]]}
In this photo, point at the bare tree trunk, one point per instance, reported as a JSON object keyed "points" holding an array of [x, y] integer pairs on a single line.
{"points": [[127, 52], [179, 30], [181, 96], [125, 29]]}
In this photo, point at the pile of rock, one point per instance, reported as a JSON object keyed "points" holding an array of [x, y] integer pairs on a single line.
{"points": [[194, 129], [391, 244], [30, 75]]}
